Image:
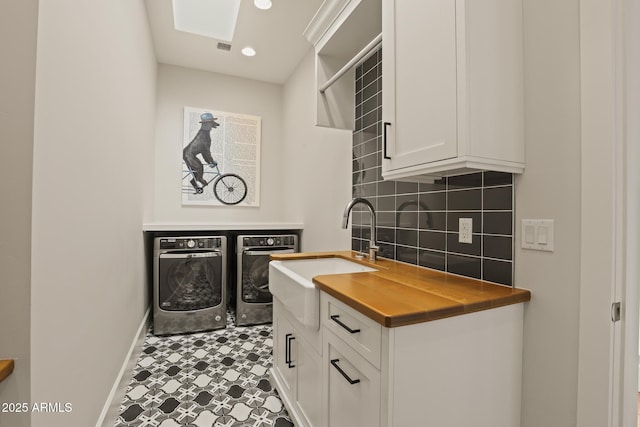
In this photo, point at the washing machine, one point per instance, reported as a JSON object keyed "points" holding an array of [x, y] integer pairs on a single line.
{"points": [[253, 301], [189, 284]]}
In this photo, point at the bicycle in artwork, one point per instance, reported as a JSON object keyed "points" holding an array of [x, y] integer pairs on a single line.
{"points": [[228, 188]]}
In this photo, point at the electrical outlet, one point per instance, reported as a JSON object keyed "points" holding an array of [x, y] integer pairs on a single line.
{"points": [[465, 230]]}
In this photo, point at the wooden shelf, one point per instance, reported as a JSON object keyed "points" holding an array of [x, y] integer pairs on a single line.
{"points": [[6, 368]]}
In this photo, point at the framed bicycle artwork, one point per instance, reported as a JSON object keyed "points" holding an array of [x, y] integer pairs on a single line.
{"points": [[220, 158]]}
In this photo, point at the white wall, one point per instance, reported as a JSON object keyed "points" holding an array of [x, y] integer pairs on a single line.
{"points": [[179, 87], [18, 25], [550, 188], [92, 181], [305, 169], [318, 166]]}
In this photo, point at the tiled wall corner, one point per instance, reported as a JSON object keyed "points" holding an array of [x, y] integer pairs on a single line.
{"points": [[418, 223]]}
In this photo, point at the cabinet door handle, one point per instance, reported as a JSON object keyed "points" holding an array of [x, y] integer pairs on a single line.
{"points": [[334, 362], [384, 139], [335, 318], [287, 350]]}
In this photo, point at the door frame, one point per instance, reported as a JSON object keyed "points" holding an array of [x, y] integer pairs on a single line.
{"points": [[608, 351], [625, 379]]}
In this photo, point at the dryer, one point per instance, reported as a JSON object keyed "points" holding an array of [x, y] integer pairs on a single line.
{"points": [[189, 284], [253, 301]]}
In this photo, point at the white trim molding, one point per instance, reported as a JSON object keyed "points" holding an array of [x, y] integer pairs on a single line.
{"points": [[322, 20], [112, 405]]}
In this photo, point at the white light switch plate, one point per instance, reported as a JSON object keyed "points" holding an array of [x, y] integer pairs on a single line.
{"points": [[537, 234]]}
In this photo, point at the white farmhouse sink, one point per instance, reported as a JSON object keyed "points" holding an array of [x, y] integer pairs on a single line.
{"points": [[290, 282]]}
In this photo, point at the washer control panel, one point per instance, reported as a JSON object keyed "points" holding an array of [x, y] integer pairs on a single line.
{"points": [[190, 243]]}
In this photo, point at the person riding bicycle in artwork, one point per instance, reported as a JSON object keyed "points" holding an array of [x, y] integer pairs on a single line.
{"points": [[228, 188], [200, 144]]}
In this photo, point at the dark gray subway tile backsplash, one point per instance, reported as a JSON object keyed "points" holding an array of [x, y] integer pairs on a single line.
{"points": [[418, 223]]}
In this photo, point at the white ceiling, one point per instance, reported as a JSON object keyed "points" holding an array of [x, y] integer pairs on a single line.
{"points": [[276, 35]]}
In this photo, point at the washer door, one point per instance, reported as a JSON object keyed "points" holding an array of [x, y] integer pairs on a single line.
{"points": [[255, 274], [189, 280]]}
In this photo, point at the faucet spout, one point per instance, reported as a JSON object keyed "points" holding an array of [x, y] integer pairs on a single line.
{"points": [[373, 247]]}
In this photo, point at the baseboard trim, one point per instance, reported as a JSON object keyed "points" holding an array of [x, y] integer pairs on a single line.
{"points": [[112, 405]]}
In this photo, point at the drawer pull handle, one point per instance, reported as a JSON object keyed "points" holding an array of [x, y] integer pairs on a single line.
{"points": [[335, 318], [287, 350], [334, 362]]}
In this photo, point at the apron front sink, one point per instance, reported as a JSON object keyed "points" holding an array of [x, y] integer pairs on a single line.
{"points": [[291, 282]]}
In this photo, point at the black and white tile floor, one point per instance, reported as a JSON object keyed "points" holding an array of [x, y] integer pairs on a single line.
{"points": [[209, 379]]}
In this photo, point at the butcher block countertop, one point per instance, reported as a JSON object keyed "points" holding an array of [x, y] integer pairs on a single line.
{"points": [[6, 368], [401, 294]]}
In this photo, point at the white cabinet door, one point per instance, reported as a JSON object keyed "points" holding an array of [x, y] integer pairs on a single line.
{"points": [[297, 368], [284, 351], [452, 87], [309, 382], [353, 386], [419, 104]]}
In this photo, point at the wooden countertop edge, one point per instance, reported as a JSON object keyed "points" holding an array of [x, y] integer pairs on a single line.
{"points": [[404, 274], [6, 368], [394, 321]]}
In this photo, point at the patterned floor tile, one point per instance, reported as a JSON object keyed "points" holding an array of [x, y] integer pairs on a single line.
{"points": [[206, 379]]}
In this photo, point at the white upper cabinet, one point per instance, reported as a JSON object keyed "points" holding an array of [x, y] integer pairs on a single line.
{"points": [[452, 87]]}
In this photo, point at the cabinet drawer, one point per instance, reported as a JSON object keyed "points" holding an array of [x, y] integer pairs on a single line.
{"points": [[357, 330], [353, 388]]}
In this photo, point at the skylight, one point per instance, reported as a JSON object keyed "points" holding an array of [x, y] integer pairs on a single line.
{"points": [[210, 18]]}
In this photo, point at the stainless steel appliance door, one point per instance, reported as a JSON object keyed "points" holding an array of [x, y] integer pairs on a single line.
{"points": [[255, 274], [189, 280]]}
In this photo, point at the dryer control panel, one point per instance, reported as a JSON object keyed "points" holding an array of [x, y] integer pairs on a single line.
{"points": [[191, 243], [256, 241]]}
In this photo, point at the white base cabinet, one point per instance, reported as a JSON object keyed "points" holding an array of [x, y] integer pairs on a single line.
{"points": [[459, 371], [297, 363], [352, 386]]}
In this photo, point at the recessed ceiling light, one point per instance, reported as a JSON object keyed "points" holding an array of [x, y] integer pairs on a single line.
{"points": [[248, 51], [263, 4]]}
